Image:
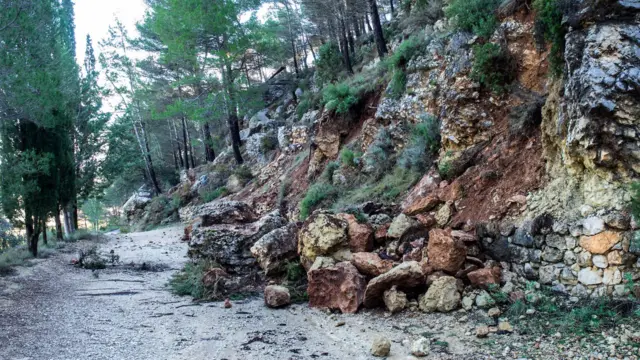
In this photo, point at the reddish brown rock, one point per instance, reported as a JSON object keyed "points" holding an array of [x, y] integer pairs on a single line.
{"points": [[484, 277], [380, 234], [423, 204], [426, 268], [600, 243], [370, 264], [404, 276], [339, 287], [427, 220], [360, 235], [444, 252]]}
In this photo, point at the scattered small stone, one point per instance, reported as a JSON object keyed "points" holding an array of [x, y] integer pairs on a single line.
{"points": [[340, 323], [531, 311], [420, 347], [227, 304], [504, 326], [494, 312], [381, 347], [482, 331]]}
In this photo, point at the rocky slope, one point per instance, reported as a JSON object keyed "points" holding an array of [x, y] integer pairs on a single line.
{"points": [[536, 186]]}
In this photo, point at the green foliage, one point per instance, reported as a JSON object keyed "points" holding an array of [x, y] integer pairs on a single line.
{"points": [[339, 98], [94, 211], [295, 271], [498, 295], [397, 63], [477, 16], [80, 234], [329, 64], [492, 67], [348, 157], [444, 168], [549, 25], [8, 238], [316, 195], [398, 84], [329, 170], [189, 280], [268, 143], [214, 194], [423, 144], [243, 173]]}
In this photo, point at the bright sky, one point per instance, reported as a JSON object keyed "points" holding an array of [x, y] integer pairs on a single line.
{"points": [[94, 17]]}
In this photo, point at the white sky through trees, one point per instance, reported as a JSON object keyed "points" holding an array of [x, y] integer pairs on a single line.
{"points": [[94, 17]]}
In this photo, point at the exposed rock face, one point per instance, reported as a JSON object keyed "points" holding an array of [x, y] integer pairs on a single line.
{"points": [[339, 287], [442, 296], [229, 244], [276, 296], [444, 252], [406, 275], [360, 235], [321, 234], [276, 247], [603, 65], [370, 264]]}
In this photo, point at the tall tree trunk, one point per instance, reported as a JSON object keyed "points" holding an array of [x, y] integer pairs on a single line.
{"points": [[356, 25], [232, 118], [377, 33], [352, 45], [209, 154], [184, 141], [345, 46], [152, 172], [392, 8], [313, 53], [193, 163], [59, 235], [44, 231], [173, 147], [75, 214], [32, 226], [177, 138]]}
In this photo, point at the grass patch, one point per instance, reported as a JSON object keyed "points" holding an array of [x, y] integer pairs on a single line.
{"points": [[13, 257], [549, 27], [214, 194], [586, 317], [316, 195]]}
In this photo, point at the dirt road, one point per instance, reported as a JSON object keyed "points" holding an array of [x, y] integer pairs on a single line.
{"points": [[55, 311]]}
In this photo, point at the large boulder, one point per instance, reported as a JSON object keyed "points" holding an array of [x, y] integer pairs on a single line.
{"points": [[442, 296], [423, 204], [276, 247], [404, 276], [360, 235], [276, 296], [220, 212], [400, 225], [229, 244], [338, 287], [444, 252], [370, 264], [321, 234]]}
